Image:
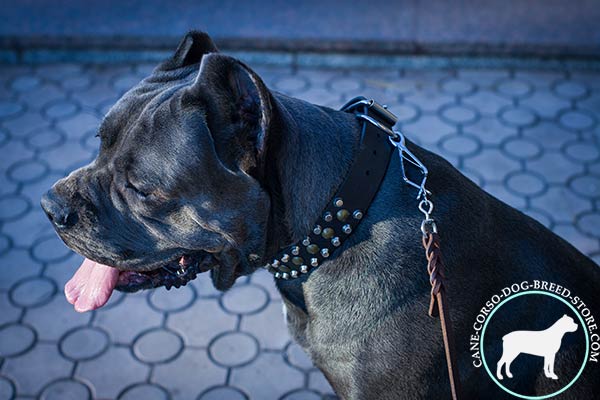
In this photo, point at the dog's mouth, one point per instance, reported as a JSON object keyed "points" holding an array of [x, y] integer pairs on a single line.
{"points": [[93, 283]]}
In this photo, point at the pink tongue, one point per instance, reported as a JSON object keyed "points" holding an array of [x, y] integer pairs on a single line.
{"points": [[91, 286]]}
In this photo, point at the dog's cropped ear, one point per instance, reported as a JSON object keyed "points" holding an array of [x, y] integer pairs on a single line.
{"points": [[238, 107], [190, 50]]}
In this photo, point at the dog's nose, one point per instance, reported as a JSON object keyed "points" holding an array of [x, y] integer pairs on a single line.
{"points": [[58, 213]]}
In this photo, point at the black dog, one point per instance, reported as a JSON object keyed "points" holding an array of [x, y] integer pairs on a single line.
{"points": [[200, 164]]}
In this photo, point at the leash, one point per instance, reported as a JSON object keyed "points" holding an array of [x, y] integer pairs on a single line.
{"points": [[341, 216]]}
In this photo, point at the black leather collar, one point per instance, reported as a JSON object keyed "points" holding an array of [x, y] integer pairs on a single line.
{"points": [[342, 214]]}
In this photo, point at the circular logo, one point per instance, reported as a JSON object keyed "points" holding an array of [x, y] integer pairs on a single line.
{"points": [[534, 344]]}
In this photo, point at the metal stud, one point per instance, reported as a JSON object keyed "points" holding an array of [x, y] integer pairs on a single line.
{"points": [[303, 269], [275, 263], [336, 241], [338, 202], [277, 275], [314, 262], [294, 274], [306, 241], [295, 250], [325, 252], [317, 230], [357, 214], [285, 275], [328, 217], [347, 229], [297, 260], [285, 258]]}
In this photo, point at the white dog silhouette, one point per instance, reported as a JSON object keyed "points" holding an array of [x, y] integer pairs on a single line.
{"points": [[538, 343]]}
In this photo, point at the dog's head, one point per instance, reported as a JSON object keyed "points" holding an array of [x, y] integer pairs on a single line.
{"points": [[568, 324], [177, 177]]}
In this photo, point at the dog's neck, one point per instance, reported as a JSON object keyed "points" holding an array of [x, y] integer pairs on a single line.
{"points": [[311, 161]]}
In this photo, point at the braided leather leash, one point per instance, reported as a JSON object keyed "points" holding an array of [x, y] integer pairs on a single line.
{"points": [[435, 268]]}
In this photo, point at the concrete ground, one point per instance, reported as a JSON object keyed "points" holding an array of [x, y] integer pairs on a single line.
{"points": [[532, 138]]}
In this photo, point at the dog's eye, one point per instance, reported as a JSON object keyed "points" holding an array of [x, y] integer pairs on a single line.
{"points": [[140, 193]]}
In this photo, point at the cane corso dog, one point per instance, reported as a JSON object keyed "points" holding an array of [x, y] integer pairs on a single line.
{"points": [[201, 164]]}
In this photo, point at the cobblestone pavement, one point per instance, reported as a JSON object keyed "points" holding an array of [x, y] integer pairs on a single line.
{"points": [[530, 138]]}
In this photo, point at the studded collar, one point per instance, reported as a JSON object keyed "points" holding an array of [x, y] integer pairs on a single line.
{"points": [[347, 207]]}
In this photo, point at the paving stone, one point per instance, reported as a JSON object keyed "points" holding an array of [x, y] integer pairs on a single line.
{"points": [[429, 100], [45, 94], [540, 216], [111, 372], [157, 346], [233, 349], [23, 124], [526, 183], [428, 129], [223, 392], [321, 97], [66, 389], [590, 103], [456, 86], [27, 171], [490, 131], [8, 312], [25, 83], [204, 287], [9, 109], [267, 282], [268, 377], [172, 300], [125, 82], [59, 71], [34, 191], [16, 265], [29, 229], [545, 104], [33, 292], [297, 357], [7, 388], [45, 139], [317, 381], [581, 241], [459, 114], [472, 175], [487, 102], [36, 368], [540, 79], [570, 90], [522, 148], [586, 185], [577, 120], [268, 327], [518, 116], [302, 394], [561, 203], [145, 391], [50, 249], [95, 95], [69, 156], [554, 167], [80, 124], [189, 374], [12, 152], [514, 88], [397, 85], [78, 82], [60, 272], [500, 192], [200, 323], [128, 319], [53, 319], [589, 223], [346, 84], [483, 77], [492, 165], [13, 206], [15, 339], [405, 112], [582, 151], [5, 243], [549, 135], [460, 145], [292, 84], [246, 299], [84, 343]]}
